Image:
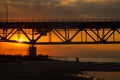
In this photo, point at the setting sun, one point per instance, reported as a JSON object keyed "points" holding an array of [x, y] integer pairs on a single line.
{"points": [[21, 40]]}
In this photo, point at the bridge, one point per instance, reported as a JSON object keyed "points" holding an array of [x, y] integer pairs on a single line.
{"points": [[46, 32]]}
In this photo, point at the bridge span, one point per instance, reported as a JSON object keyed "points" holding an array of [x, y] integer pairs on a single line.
{"points": [[106, 31]]}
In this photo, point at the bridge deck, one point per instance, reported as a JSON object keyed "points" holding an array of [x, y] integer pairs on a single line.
{"points": [[114, 24]]}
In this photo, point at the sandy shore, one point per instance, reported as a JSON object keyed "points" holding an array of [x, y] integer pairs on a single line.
{"points": [[50, 70]]}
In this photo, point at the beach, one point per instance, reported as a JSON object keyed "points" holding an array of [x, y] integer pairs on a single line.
{"points": [[52, 70]]}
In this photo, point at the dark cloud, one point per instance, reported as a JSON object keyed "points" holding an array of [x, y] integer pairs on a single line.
{"points": [[61, 9]]}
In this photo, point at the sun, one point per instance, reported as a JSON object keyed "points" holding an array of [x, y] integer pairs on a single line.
{"points": [[20, 40]]}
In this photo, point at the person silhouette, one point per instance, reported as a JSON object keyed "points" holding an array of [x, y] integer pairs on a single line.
{"points": [[77, 59]]}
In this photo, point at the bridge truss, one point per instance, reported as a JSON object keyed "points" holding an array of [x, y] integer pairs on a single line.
{"points": [[60, 32]]}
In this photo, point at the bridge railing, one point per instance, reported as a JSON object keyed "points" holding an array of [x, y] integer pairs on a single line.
{"points": [[59, 20]]}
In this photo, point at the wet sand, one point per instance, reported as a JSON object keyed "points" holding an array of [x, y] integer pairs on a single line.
{"points": [[50, 70]]}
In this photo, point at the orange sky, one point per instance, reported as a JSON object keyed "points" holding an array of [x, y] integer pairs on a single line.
{"points": [[64, 50], [81, 50], [86, 50]]}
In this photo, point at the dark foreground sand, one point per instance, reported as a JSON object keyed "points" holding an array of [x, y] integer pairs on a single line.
{"points": [[50, 70]]}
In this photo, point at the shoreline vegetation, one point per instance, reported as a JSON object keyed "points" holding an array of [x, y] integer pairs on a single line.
{"points": [[17, 58]]}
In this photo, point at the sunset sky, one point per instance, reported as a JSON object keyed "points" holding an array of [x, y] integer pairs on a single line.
{"points": [[62, 9]]}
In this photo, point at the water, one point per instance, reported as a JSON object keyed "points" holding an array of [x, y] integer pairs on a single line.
{"points": [[104, 75], [97, 75], [117, 60], [96, 59]]}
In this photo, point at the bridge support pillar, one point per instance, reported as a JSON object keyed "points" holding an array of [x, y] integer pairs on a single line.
{"points": [[32, 51]]}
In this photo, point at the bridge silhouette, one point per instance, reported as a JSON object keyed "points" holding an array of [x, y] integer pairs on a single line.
{"points": [[72, 31]]}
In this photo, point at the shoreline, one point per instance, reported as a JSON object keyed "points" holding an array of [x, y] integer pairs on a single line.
{"points": [[53, 70], [80, 66], [45, 60]]}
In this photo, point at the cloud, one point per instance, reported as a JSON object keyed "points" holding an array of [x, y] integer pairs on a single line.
{"points": [[99, 1], [62, 9], [67, 2]]}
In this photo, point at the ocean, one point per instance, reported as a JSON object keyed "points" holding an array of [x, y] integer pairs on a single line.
{"points": [[104, 75], [100, 75], [116, 60], [96, 59]]}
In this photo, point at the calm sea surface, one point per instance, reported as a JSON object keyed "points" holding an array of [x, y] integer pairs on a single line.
{"points": [[104, 75], [96, 74], [89, 59], [96, 59]]}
